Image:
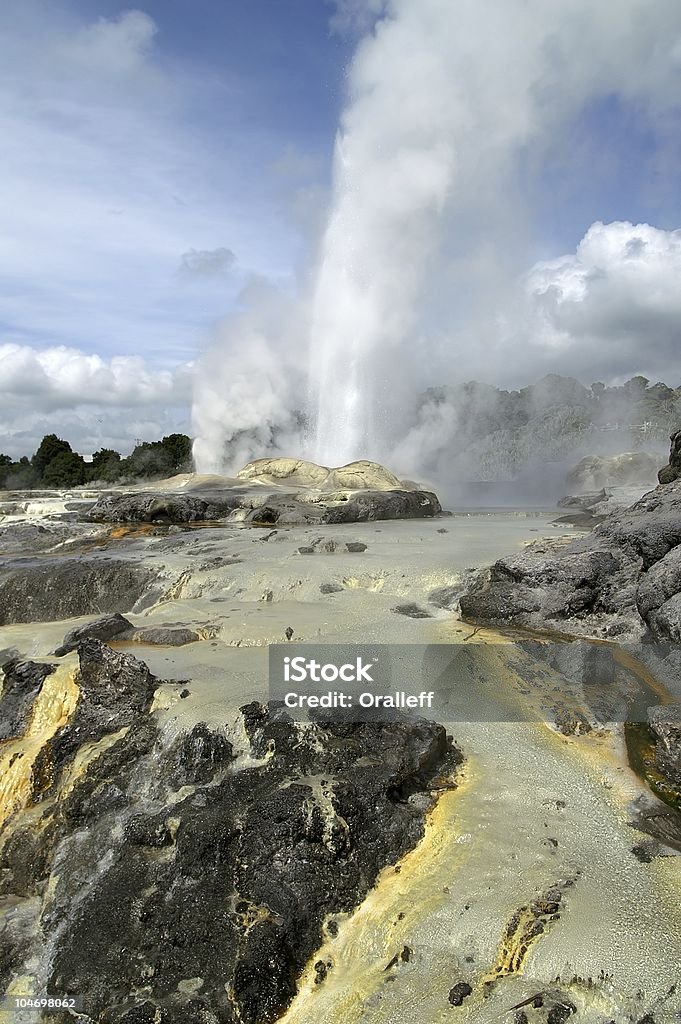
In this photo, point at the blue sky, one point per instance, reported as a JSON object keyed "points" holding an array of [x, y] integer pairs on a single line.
{"points": [[159, 159]]}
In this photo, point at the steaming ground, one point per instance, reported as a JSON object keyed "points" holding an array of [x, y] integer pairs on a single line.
{"points": [[536, 812]]}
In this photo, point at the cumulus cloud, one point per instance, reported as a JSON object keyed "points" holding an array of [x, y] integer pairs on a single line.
{"points": [[95, 401], [613, 307]]}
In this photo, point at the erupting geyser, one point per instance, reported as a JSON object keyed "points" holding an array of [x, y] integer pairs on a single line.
{"points": [[425, 240]]}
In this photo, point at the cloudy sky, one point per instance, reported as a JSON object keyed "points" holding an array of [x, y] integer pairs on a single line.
{"points": [[163, 164]]}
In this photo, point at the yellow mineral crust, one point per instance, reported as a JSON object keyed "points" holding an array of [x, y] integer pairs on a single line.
{"points": [[52, 708]]}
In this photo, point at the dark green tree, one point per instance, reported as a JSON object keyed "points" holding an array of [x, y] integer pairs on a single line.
{"points": [[105, 465], [5, 467], [48, 449], [179, 449], [148, 460], [67, 469]]}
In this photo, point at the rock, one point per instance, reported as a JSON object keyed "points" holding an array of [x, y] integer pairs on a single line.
{"points": [[306, 550], [561, 1012], [621, 579], [412, 611], [598, 471], [459, 992], [571, 723], [361, 475], [297, 472], [330, 588], [29, 538], [445, 597], [215, 880], [371, 505], [197, 756], [21, 683], [146, 507], [672, 471], [165, 636], [355, 547], [71, 587], [665, 721], [283, 507], [104, 628], [359, 507]]}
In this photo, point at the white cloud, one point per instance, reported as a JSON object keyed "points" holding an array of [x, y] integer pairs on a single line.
{"points": [[108, 176], [96, 402], [614, 306]]}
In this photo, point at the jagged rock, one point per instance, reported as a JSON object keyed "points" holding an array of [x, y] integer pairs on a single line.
{"points": [[459, 992], [21, 683], [621, 579], [114, 690], [228, 883], [672, 471], [665, 722], [104, 628], [195, 757], [71, 587]]}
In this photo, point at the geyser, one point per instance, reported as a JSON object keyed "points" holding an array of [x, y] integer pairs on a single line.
{"points": [[451, 107]]}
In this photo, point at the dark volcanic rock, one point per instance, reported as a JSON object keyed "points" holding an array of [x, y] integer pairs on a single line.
{"points": [[672, 471], [21, 684], [357, 507], [459, 992], [71, 587], [666, 724], [622, 579], [144, 507], [114, 690], [105, 628], [167, 636], [412, 611], [183, 888], [330, 588], [370, 505]]}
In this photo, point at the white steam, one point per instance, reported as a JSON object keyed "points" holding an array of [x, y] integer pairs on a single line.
{"points": [[444, 98]]}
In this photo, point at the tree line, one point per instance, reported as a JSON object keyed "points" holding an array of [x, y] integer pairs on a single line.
{"points": [[56, 464]]}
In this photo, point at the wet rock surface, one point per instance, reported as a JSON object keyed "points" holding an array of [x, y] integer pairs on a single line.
{"points": [[107, 627], [666, 724], [21, 684], [179, 879], [151, 507], [260, 509], [61, 589]]}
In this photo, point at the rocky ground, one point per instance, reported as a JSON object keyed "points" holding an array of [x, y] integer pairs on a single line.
{"points": [[176, 850], [175, 880]]}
